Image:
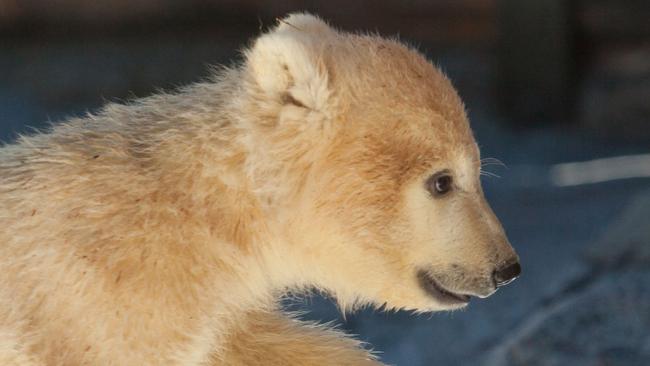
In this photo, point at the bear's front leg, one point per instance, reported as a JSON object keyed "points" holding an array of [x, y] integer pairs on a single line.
{"points": [[273, 339]]}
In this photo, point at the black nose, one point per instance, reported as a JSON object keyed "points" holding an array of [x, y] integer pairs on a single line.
{"points": [[506, 274]]}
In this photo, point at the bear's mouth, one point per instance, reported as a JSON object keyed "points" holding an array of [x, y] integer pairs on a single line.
{"points": [[435, 290]]}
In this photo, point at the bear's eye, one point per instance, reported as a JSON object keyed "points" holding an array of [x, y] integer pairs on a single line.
{"points": [[440, 183]]}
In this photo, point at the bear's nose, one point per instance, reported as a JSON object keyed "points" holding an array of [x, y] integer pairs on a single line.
{"points": [[506, 274]]}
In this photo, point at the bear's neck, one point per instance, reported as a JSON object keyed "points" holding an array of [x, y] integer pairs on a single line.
{"points": [[225, 177]]}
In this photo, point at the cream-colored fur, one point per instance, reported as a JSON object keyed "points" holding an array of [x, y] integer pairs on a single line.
{"points": [[163, 232]]}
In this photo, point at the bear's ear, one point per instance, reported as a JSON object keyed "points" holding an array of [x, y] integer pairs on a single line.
{"points": [[287, 64]]}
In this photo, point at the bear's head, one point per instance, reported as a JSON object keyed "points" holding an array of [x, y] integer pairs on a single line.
{"points": [[362, 150]]}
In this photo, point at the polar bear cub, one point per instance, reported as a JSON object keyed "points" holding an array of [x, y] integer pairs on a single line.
{"points": [[164, 231]]}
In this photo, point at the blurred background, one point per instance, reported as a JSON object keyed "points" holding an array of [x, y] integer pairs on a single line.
{"points": [[558, 90]]}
